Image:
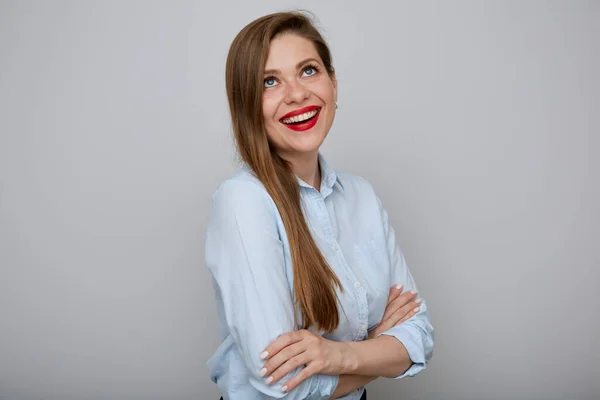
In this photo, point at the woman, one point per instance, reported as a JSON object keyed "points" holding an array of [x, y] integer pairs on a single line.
{"points": [[302, 257]]}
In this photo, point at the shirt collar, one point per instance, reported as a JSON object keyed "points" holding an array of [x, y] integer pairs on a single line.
{"points": [[328, 178]]}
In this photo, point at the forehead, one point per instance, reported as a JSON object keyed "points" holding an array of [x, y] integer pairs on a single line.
{"points": [[287, 49]]}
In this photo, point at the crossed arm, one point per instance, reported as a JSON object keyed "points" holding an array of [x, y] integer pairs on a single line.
{"points": [[244, 254], [356, 363], [382, 356]]}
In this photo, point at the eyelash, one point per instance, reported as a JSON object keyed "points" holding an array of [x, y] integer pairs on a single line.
{"points": [[313, 66], [307, 66]]}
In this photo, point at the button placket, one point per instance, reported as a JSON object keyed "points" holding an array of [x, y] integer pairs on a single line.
{"points": [[359, 291], [360, 295], [325, 220]]}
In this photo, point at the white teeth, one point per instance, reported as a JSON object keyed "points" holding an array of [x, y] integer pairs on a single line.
{"points": [[301, 117]]}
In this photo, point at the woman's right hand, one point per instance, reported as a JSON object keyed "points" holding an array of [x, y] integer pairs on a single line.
{"points": [[400, 307]]}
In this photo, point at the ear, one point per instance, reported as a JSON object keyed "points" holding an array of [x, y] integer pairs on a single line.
{"points": [[335, 83]]}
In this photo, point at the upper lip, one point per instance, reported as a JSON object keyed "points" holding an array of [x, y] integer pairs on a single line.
{"points": [[300, 111]]}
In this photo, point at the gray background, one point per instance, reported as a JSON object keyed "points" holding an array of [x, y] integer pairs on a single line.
{"points": [[476, 121]]}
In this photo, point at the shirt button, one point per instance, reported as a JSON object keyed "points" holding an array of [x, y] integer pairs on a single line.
{"points": [[357, 284]]}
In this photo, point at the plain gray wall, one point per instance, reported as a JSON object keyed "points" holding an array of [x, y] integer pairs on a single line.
{"points": [[476, 121]]}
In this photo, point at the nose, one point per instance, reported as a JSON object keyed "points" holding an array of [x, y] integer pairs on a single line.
{"points": [[296, 92]]}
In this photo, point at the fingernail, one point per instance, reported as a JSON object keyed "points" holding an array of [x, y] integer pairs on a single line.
{"points": [[413, 292], [264, 355], [283, 388], [418, 300], [398, 286], [263, 372], [269, 380], [416, 309]]}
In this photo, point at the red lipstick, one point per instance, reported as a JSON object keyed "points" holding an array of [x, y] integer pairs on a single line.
{"points": [[304, 125]]}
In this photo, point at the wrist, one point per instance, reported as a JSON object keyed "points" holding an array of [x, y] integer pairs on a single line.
{"points": [[350, 359]]}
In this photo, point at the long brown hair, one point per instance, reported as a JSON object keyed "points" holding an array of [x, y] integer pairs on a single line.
{"points": [[314, 280]]}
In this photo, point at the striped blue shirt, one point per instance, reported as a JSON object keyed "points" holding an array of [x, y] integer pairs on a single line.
{"points": [[248, 255]]}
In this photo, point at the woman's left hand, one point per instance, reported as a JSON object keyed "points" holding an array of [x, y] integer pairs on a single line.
{"points": [[294, 349]]}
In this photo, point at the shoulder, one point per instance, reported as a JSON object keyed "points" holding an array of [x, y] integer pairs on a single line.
{"points": [[355, 184], [360, 204], [242, 191], [359, 195]]}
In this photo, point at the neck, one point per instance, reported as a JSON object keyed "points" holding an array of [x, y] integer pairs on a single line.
{"points": [[306, 167]]}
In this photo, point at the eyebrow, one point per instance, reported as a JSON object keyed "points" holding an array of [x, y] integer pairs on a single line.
{"points": [[300, 64]]}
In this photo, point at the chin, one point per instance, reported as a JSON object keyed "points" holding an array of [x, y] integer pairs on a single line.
{"points": [[308, 144], [303, 142]]}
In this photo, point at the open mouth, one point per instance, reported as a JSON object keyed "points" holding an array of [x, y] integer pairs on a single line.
{"points": [[304, 121], [302, 118]]}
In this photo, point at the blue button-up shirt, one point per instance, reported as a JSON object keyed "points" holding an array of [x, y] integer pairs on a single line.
{"points": [[248, 255]]}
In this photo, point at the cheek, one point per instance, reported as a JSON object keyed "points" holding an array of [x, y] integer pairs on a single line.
{"points": [[327, 93], [266, 111], [269, 108]]}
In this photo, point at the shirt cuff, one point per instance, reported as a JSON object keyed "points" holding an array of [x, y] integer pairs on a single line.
{"points": [[414, 346], [324, 385]]}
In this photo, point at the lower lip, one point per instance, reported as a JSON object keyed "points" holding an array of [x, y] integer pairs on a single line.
{"points": [[304, 126]]}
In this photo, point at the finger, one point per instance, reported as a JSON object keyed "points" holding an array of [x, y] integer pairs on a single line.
{"points": [[280, 364], [386, 323], [280, 343], [395, 291], [303, 375], [410, 314], [402, 300], [287, 367], [399, 302], [402, 312]]}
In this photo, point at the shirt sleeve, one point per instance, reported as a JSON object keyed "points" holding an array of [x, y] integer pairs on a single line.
{"points": [[246, 259], [416, 334]]}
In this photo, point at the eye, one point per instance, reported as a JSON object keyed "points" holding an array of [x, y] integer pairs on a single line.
{"points": [[270, 82], [309, 71]]}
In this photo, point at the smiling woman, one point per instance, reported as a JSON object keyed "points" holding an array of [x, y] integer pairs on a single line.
{"points": [[289, 84], [303, 315]]}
